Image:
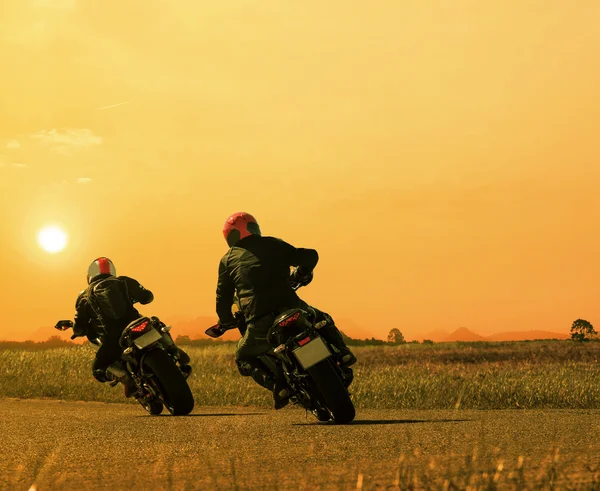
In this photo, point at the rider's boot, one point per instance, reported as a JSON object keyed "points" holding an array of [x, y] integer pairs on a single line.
{"points": [[333, 335], [116, 374], [347, 358], [264, 380], [129, 386], [281, 392]]}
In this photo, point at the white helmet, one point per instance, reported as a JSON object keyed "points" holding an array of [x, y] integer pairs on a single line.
{"points": [[99, 266]]}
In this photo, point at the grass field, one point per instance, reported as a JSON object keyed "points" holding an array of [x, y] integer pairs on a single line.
{"points": [[527, 375]]}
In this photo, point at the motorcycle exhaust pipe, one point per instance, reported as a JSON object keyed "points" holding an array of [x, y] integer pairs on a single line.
{"points": [[117, 371]]}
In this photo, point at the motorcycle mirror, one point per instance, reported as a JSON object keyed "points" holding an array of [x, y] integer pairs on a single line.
{"points": [[63, 325], [214, 331]]}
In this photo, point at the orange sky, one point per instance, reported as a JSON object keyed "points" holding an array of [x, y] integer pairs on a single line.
{"points": [[442, 157]]}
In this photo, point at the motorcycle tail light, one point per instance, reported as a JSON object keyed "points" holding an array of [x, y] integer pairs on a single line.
{"points": [[140, 328], [302, 342]]}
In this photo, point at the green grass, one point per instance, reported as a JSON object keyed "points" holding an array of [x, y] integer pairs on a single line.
{"points": [[540, 374]]}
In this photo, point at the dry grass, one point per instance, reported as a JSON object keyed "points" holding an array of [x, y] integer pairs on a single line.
{"points": [[541, 374]]}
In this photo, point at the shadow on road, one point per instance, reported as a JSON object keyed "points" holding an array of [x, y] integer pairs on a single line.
{"points": [[359, 422], [403, 421], [206, 415]]}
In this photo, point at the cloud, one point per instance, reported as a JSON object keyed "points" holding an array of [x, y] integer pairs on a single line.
{"points": [[13, 144], [112, 105], [84, 180], [68, 139], [7, 163]]}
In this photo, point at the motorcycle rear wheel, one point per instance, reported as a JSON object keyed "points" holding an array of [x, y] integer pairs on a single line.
{"points": [[174, 388], [333, 392]]}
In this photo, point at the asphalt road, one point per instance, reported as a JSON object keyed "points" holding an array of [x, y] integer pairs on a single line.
{"points": [[90, 445]]}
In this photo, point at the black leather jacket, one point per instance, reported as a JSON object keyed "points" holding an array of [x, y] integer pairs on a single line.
{"points": [[87, 322], [258, 269]]}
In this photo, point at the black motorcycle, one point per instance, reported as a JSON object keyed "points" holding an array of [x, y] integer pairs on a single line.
{"points": [[151, 359], [310, 364]]}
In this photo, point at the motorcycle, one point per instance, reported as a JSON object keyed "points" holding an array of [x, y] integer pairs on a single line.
{"points": [[151, 359], [310, 364]]}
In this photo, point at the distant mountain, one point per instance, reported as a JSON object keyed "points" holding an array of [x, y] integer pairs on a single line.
{"points": [[194, 328], [463, 334]]}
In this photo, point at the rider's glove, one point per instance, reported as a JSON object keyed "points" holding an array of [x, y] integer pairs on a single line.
{"points": [[300, 277], [79, 331]]}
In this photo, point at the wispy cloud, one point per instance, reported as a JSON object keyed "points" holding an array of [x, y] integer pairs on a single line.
{"points": [[84, 180], [6, 163], [13, 144], [112, 105], [66, 140]]}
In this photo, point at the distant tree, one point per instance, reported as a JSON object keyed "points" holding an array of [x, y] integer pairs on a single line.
{"points": [[582, 330], [395, 337], [55, 342], [183, 340], [427, 341]]}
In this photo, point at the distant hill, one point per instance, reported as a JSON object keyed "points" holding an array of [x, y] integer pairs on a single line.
{"points": [[194, 328], [463, 334]]}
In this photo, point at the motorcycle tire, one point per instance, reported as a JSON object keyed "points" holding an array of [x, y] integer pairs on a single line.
{"points": [[176, 392], [333, 392]]}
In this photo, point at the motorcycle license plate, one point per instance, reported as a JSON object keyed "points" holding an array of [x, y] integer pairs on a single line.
{"points": [[312, 353], [147, 338]]}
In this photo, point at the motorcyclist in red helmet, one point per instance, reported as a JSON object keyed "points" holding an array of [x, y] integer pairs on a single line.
{"points": [[257, 270]]}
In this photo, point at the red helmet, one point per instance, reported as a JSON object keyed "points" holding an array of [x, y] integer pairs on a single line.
{"points": [[238, 226], [101, 265]]}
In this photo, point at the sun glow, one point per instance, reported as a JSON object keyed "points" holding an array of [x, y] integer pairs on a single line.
{"points": [[52, 239]]}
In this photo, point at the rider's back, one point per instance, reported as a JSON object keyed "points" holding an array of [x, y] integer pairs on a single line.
{"points": [[260, 270], [109, 302]]}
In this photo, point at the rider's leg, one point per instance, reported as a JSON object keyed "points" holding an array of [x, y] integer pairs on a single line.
{"points": [[254, 344], [110, 354]]}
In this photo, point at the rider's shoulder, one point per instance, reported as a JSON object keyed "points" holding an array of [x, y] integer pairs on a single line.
{"points": [[278, 242], [80, 297], [273, 240]]}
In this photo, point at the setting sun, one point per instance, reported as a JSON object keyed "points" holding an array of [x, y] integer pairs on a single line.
{"points": [[52, 239]]}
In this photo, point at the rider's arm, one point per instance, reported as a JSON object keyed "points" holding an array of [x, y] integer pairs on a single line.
{"points": [[137, 292], [225, 292], [304, 259], [82, 318]]}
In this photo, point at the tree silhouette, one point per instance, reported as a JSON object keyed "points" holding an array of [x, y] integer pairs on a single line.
{"points": [[395, 337], [183, 339], [582, 330]]}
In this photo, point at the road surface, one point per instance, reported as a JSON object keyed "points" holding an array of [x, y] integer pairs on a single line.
{"points": [[48, 444]]}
